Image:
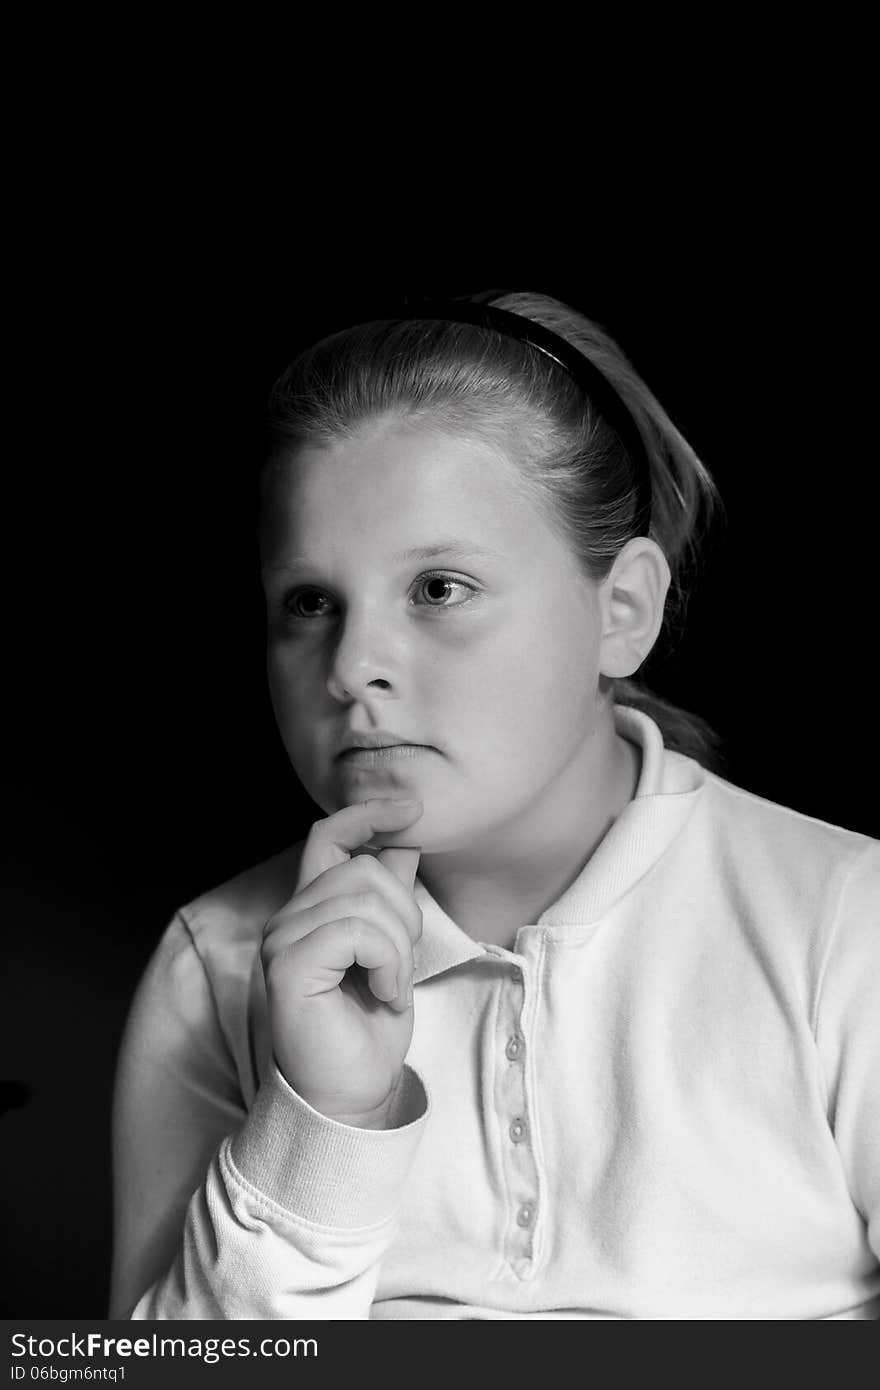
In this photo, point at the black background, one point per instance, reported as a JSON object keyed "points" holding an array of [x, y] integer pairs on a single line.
{"points": [[143, 765]]}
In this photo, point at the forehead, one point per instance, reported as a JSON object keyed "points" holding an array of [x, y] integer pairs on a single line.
{"points": [[398, 485]]}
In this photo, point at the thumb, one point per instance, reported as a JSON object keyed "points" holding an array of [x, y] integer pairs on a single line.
{"points": [[403, 861]]}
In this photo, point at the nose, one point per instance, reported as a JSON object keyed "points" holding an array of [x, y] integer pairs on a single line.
{"points": [[364, 658]]}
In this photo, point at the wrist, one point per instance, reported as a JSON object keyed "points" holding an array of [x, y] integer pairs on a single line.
{"points": [[341, 1110], [380, 1116]]}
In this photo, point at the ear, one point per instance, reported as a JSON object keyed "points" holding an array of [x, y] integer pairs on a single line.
{"points": [[632, 598]]}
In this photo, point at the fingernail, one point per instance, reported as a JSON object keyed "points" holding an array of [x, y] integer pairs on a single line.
{"points": [[405, 801], [409, 995]]}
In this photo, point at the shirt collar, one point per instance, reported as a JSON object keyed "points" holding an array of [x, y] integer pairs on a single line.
{"points": [[667, 791]]}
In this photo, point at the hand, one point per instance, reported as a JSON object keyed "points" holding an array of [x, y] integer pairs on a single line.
{"points": [[338, 964]]}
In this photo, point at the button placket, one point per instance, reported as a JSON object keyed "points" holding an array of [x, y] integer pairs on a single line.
{"points": [[512, 1102]]}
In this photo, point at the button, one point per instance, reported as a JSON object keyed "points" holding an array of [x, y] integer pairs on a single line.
{"points": [[524, 1215], [517, 1130], [514, 1047], [517, 974]]}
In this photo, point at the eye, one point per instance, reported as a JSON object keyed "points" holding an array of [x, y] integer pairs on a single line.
{"points": [[437, 586], [305, 603]]}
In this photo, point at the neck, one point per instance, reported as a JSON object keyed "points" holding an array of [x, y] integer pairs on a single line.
{"points": [[491, 889]]}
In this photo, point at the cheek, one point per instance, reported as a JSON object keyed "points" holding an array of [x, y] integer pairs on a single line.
{"points": [[532, 683], [287, 689], [279, 678]]}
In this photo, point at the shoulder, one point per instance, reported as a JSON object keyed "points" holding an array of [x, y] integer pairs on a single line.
{"points": [[796, 871], [762, 836], [230, 917], [789, 834]]}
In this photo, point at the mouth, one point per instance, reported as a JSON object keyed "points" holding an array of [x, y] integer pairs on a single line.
{"points": [[376, 757]]}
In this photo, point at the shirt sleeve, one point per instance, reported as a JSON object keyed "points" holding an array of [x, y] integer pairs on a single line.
{"points": [[276, 1213], [848, 1034]]}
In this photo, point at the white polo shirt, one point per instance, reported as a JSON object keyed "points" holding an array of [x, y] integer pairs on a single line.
{"points": [[663, 1102]]}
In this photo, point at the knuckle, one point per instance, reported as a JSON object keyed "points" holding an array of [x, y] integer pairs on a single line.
{"points": [[276, 923], [365, 870], [371, 901], [373, 869], [272, 964], [362, 903]]}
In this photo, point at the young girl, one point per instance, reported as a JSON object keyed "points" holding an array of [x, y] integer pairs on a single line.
{"points": [[544, 1018]]}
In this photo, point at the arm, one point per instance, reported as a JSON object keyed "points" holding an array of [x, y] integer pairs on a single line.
{"points": [[848, 1034], [280, 1213]]}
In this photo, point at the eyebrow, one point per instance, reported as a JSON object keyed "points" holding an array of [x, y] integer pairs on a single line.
{"points": [[458, 548]]}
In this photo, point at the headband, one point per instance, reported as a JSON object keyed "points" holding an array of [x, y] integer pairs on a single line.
{"points": [[476, 309]]}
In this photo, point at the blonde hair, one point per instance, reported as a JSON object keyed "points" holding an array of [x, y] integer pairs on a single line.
{"points": [[472, 381]]}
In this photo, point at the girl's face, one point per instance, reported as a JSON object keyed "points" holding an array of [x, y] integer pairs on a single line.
{"points": [[413, 589]]}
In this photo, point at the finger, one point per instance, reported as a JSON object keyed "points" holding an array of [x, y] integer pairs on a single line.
{"points": [[403, 861], [362, 873], [331, 840], [285, 931], [323, 957]]}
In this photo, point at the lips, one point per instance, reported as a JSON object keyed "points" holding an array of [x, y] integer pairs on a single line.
{"points": [[378, 738], [378, 757]]}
